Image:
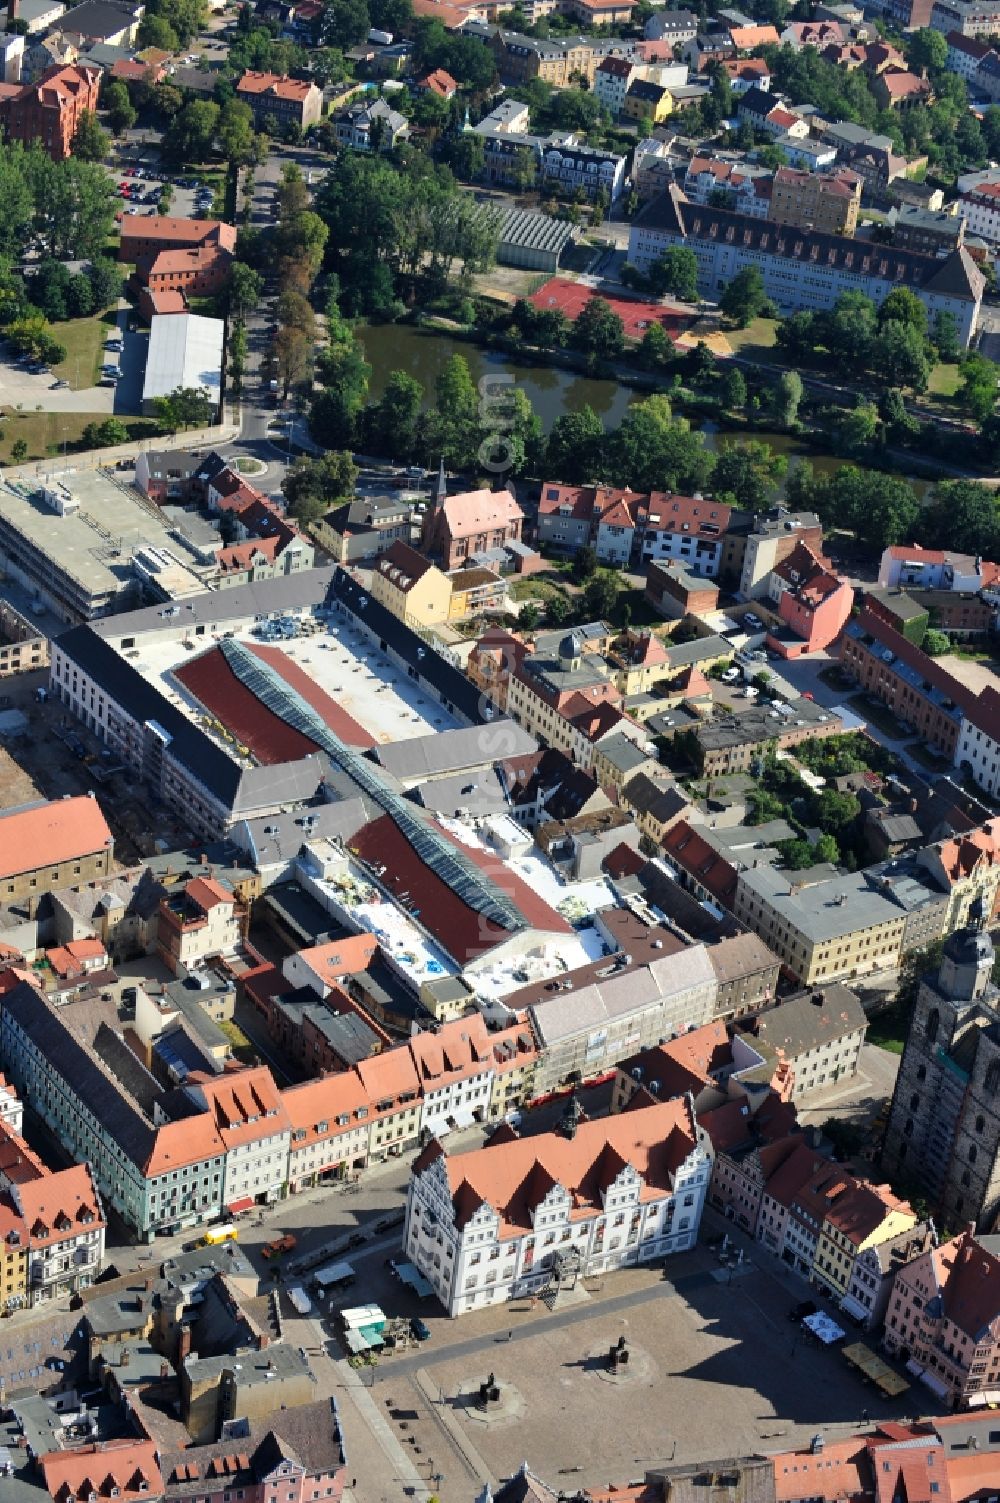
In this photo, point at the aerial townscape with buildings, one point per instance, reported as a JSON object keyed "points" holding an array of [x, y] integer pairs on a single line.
{"points": [[499, 751]]}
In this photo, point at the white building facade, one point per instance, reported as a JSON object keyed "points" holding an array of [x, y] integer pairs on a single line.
{"points": [[646, 1207]]}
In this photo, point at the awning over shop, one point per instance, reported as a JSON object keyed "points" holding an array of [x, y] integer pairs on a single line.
{"points": [[878, 1371], [245, 1203], [825, 1329]]}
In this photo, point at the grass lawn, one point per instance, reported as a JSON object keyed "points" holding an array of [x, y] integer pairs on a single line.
{"points": [[755, 340], [240, 1044], [888, 1028], [533, 588], [944, 380], [84, 340], [44, 432]]}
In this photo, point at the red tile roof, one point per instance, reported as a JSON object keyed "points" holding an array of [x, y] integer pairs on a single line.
{"points": [[682, 844], [60, 1205]]}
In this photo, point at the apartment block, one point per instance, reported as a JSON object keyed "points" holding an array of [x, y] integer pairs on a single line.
{"points": [[803, 268], [289, 101], [825, 201], [834, 930]]}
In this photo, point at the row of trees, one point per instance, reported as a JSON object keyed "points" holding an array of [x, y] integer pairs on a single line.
{"points": [[396, 223], [66, 208], [895, 343]]}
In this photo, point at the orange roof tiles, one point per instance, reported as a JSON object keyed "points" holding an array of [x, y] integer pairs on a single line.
{"points": [[388, 1076], [48, 834], [278, 84], [65, 1203], [245, 1106], [130, 1466], [171, 230], [341, 957], [208, 893], [456, 1051], [513, 1177], [836, 1473], [744, 38], [185, 1142], [323, 1101]]}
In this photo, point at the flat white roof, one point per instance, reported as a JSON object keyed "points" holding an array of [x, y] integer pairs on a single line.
{"points": [[184, 350]]}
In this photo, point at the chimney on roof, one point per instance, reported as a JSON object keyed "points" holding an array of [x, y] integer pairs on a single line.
{"points": [[183, 1343], [263, 1340]]}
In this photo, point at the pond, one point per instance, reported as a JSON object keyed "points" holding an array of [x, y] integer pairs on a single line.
{"points": [[424, 353]]}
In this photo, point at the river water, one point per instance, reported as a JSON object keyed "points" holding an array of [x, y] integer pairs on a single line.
{"points": [[423, 354]]}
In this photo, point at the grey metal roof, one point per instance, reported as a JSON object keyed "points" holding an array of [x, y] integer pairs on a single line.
{"points": [[826, 909], [531, 231], [462, 749], [572, 1012], [478, 793]]}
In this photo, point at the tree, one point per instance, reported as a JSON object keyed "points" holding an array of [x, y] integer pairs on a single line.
{"points": [[312, 486], [846, 1138], [235, 131], [344, 24], [154, 31], [393, 423], [903, 306], [745, 299], [79, 296], [944, 336], [453, 431], [184, 407], [91, 143], [961, 515], [856, 426], [244, 290], [746, 474], [584, 564], [936, 642], [598, 331], [599, 598], [786, 398], [105, 435], [652, 450], [927, 49], [655, 349], [675, 272], [106, 282], [849, 329], [978, 385], [465, 155], [122, 114], [19, 450], [901, 354], [573, 449], [734, 390], [191, 133]]}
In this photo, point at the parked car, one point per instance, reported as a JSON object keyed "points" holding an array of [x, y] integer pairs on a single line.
{"points": [[419, 1330], [59, 386]]}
